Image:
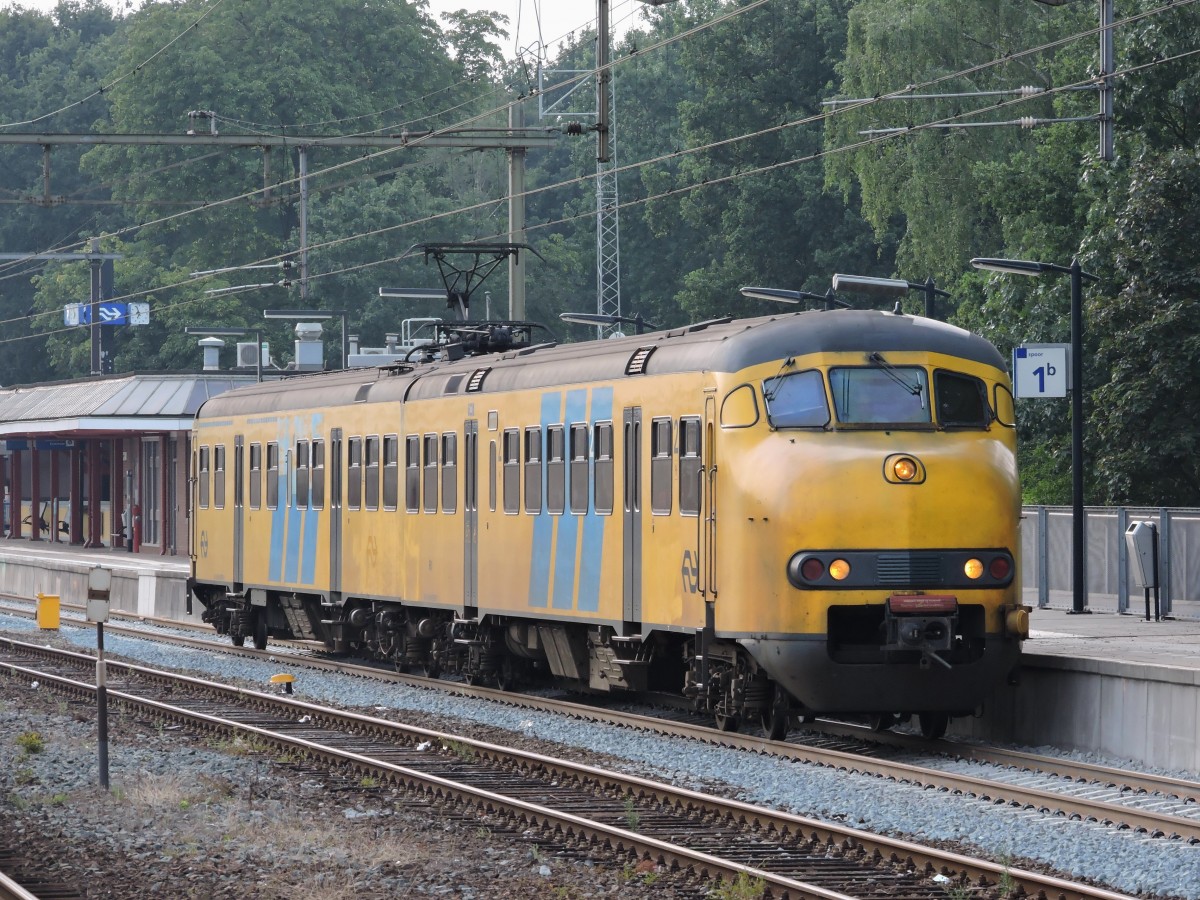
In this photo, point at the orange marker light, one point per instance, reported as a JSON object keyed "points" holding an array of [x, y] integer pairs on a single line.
{"points": [[839, 569], [905, 468], [973, 568]]}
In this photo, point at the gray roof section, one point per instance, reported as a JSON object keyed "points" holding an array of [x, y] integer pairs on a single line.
{"points": [[122, 401]]}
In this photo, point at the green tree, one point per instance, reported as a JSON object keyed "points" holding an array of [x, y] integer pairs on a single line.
{"points": [[1145, 422]]}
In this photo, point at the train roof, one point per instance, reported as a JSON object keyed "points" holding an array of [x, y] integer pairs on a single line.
{"points": [[723, 345]]}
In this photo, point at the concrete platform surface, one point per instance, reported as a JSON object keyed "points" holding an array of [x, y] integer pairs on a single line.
{"points": [[1114, 638]]}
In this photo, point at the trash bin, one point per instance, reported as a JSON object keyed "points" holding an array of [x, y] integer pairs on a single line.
{"points": [[47, 611]]}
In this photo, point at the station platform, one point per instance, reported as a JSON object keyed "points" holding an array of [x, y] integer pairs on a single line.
{"points": [[1099, 681], [1106, 683], [143, 584]]}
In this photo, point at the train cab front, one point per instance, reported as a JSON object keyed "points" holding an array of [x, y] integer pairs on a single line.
{"points": [[906, 630]]}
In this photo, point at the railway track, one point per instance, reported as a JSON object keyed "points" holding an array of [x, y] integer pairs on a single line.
{"points": [[708, 837], [1154, 805]]}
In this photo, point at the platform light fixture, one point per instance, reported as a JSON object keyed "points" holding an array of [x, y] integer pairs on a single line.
{"points": [[890, 287], [779, 295], [1033, 267]]}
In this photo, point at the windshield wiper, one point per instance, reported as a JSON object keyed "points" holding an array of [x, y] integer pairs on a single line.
{"points": [[894, 374]]}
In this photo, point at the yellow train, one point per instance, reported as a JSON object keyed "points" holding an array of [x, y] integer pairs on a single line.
{"points": [[797, 514]]}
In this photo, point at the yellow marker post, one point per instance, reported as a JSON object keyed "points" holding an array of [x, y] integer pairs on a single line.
{"points": [[48, 608], [284, 679]]}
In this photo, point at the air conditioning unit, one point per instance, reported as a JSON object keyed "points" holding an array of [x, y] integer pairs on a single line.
{"points": [[247, 354]]}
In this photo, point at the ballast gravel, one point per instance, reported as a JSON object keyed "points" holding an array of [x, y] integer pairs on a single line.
{"points": [[1122, 860]]}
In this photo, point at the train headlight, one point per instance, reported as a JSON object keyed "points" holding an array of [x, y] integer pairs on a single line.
{"points": [[973, 569], [839, 570], [904, 468]]}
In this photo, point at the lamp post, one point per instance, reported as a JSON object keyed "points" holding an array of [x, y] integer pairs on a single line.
{"points": [[890, 287], [233, 332], [315, 315], [1029, 267]]}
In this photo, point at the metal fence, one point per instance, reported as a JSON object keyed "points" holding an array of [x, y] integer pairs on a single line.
{"points": [[1109, 580]]}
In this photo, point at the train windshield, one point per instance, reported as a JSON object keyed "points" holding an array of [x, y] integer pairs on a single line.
{"points": [[881, 395], [796, 400]]}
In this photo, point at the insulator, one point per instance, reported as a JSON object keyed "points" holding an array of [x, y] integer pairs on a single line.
{"points": [[1027, 121], [1028, 90], [573, 128]]}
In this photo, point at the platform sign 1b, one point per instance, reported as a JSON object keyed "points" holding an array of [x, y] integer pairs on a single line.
{"points": [[1040, 370]]}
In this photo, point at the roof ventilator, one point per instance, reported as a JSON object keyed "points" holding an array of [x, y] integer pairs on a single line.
{"points": [[637, 362], [476, 381]]}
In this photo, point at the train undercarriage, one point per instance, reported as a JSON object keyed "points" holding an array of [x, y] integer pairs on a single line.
{"points": [[721, 678]]}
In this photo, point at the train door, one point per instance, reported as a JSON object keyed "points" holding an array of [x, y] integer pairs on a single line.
{"points": [[708, 507], [334, 470], [471, 515], [239, 508], [632, 512]]}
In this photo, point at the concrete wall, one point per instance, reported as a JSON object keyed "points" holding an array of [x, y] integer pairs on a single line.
{"points": [[1141, 712], [142, 591]]}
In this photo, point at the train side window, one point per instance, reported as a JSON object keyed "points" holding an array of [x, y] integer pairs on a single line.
{"points": [[511, 458], [203, 476], [430, 487], [371, 469], [579, 469], [391, 470], [317, 495], [449, 472], [533, 470], [556, 470], [689, 466], [272, 475], [255, 475], [354, 478], [961, 400], [662, 477], [219, 476], [796, 400], [300, 500], [602, 450], [1005, 408], [412, 473]]}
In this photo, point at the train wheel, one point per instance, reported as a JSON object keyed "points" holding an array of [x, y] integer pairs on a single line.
{"points": [[727, 722], [933, 724], [777, 718], [239, 640], [881, 721], [260, 630], [506, 675]]}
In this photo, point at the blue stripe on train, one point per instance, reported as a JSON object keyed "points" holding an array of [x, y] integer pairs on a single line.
{"points": [[543, 522], [593, 525], [567, 543]]}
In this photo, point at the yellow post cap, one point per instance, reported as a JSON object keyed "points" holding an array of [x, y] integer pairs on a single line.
{"points": [[282, 678]]}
